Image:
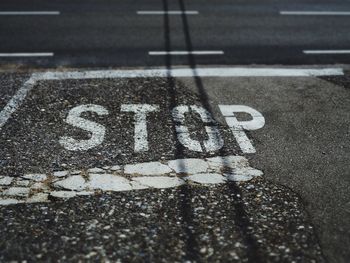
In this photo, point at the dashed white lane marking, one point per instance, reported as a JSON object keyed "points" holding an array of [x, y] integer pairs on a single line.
{"points": [[315, 13], [29, 13], [172, 12], [32, 187], [46, 54], [325, 52], [183, 53], [18, 98]]}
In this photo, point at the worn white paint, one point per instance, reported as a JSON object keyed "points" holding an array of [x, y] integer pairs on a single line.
{"points": [[35, 177], [107, 182], [140, 120], [29, 13], [97, 130], [73, 183], [207, 178], [5, 180], [188, 166], [168, 174], [22, 182], [38, 198], [150, 168], [243, 174], [214, 141], [237, 127], [17, 191], [96, 170], [315, 13], [159, 182], [170, 12], [10, 201], [60, 173], [185, 53], [63, 194]]}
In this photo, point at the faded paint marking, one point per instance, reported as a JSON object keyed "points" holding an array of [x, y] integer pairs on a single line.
{"points": [[32, 187]]}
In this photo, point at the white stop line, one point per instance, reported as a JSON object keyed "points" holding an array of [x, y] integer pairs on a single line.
{"points": [[34, 188]]}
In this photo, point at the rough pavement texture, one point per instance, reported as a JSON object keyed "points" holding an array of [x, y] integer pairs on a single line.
{"points": [[188, 223], [237, 222]]}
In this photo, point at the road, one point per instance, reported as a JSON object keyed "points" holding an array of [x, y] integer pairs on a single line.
{"points": [[178, 131], [112, 33]]}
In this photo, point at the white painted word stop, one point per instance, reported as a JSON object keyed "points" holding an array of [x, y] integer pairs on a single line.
{"points": [[140, 111], [238, 127]]}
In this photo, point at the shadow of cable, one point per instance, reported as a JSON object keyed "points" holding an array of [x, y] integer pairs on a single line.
{"points": [[239, 216], [184, 194]]}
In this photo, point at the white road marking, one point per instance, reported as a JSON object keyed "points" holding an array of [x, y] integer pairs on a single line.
{"points": [[43, 54], [315, 13], [191, 166], [4, 180], [20, 95], [97, 130], [183, 53], [172, 12], [140, 134], [33, 188], [325, 52], [238, 127], [16, 100], [214, 141], [29, 13], [189, 72]]}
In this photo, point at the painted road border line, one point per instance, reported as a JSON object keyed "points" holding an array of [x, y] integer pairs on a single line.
{"points": [[29, 13], [21, 94], [315, 13], [184, 53], [35, 54], [326, 52], [172, 12]]}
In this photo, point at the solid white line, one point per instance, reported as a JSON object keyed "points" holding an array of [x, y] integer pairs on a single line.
{"points": [[167, 12], [315, 13], [188, 72], [16, 100], [19, 97], [29, 13], [46, 54], [311, 52], [182, 53]]}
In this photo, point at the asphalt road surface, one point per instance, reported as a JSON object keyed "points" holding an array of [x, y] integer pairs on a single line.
{"points": [[113, 33], [174, 131]]}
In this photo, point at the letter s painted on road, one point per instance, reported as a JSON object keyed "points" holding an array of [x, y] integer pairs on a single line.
{"points": [[98, 131]]}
